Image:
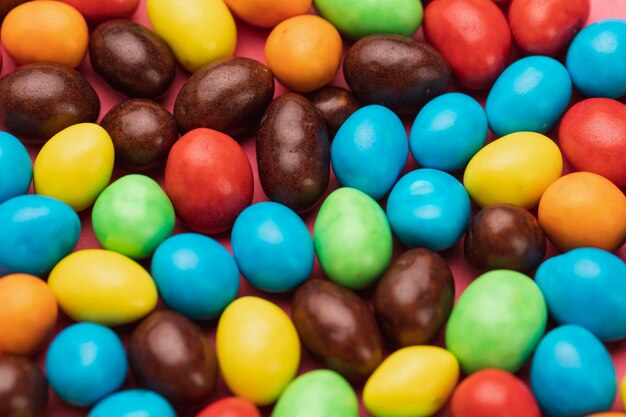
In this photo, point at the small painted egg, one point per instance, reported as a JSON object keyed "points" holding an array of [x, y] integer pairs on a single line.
{"points": [[335, 104], [267, 13], [85, 362], [133, 402], [16, 169], [195, 275], [24, 390], [230, 407]]}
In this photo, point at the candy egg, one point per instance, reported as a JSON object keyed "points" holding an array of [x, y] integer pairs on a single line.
{"points": [[85, 363], [133, 216], [428, 208], [37, 232], [75, 165], [497, 322], [16, 169], [335, 104], [267, 13], [195, 275], [595, 59], [257, 348], [230, 407], [24, 390], [515, 169], [413, 381], [103, 287], [352, 238], [101, 10], [133, 402], [320, 393], [572, 374], [592, 203]]}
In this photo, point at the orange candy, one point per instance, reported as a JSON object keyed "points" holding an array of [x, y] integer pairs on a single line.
{"points": [[267, 13], [45, 31], [28, 314], [304, 52], [584, 210]]}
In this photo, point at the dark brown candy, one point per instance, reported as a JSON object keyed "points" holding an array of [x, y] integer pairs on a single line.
{"points": [[338, 327], [335, 105], [132, 59], [169, 354], [293, 152], [414, 298], [39, 100], [505, 237], [396, 71], [23, 388], [143, 132], [228, 95]]}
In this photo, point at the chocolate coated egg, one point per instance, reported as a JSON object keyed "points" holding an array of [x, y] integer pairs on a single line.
{"points": [[335, 105], [23, 392]]}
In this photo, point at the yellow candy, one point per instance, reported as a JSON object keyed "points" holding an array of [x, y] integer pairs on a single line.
{"points": [[415, 381], [75, 165], [198, 31], [515, 169], [623, 392], [103, 287], [258, 349]]}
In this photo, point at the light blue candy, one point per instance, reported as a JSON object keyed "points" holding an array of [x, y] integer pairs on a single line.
{"points": [[195, 275], [370, 150], [16, 168], [272, 247], [85, 363], [448, 131], [529, 96], [428, 208], [133, 403]]}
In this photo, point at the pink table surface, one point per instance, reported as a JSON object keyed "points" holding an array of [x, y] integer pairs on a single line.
{"points": [[250, 44]]}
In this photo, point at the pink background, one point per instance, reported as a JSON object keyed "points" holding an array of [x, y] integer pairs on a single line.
{"points": [[250, 44]]}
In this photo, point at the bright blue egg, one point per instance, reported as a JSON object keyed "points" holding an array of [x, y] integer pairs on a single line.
{"points": [[16, 168], [448, 131], [272, 247], [195, 275], [428, 208], [529, 96], [133, 403], [586, 287], [36, 232], [85, 363], [572, 374], [596, 59], [370, 150]]}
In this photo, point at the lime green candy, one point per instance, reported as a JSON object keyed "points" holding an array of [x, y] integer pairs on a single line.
{"points": [[497, 322], [133, 216], [359, 18], [352, 238], [321, 393]]}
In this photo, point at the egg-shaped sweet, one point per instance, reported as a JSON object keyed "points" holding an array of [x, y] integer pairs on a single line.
{"points": [[133, 402], [16, 169]]}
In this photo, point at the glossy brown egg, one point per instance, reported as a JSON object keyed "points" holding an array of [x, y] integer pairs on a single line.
{"points": [[414, 298], [143, 132], [23, 388], [169, 354], [293, 152], [396, 71], [338, 327], [40, 100], [335, 105], [505, 237], [229, 95]]}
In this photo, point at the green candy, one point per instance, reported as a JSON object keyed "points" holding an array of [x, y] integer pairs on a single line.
{"points": [[133, 216], [497, 322], [352, 238], [321, 393], [359, 18]]}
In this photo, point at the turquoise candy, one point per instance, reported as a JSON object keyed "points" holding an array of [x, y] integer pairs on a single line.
{"points": [[16, 169], [133, 403]]}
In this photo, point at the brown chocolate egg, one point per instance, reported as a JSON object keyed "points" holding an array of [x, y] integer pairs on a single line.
{"points": [[23, 388], [143, 132], [414, 298], [169, 354], [229, 95], [338, 327], [335, 105], [40, 100], [396, 71], [293, 152], [132, 59], [505, 237]]}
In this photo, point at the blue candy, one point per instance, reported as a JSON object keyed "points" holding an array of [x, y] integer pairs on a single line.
{"points": [[133, 403], [16, 169]]}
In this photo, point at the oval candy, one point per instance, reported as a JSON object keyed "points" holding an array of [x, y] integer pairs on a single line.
{"points": [[133, 401], [230, 407], [101, 10], [25, 391], [267, 13], [16, 169], [335, 104]]}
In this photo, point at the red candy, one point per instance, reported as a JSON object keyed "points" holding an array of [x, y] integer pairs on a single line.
{"points": [[230, 407], [593, 138], [493, 393], [96, 11], [209, 179], [545, 27], [473, 36]]}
